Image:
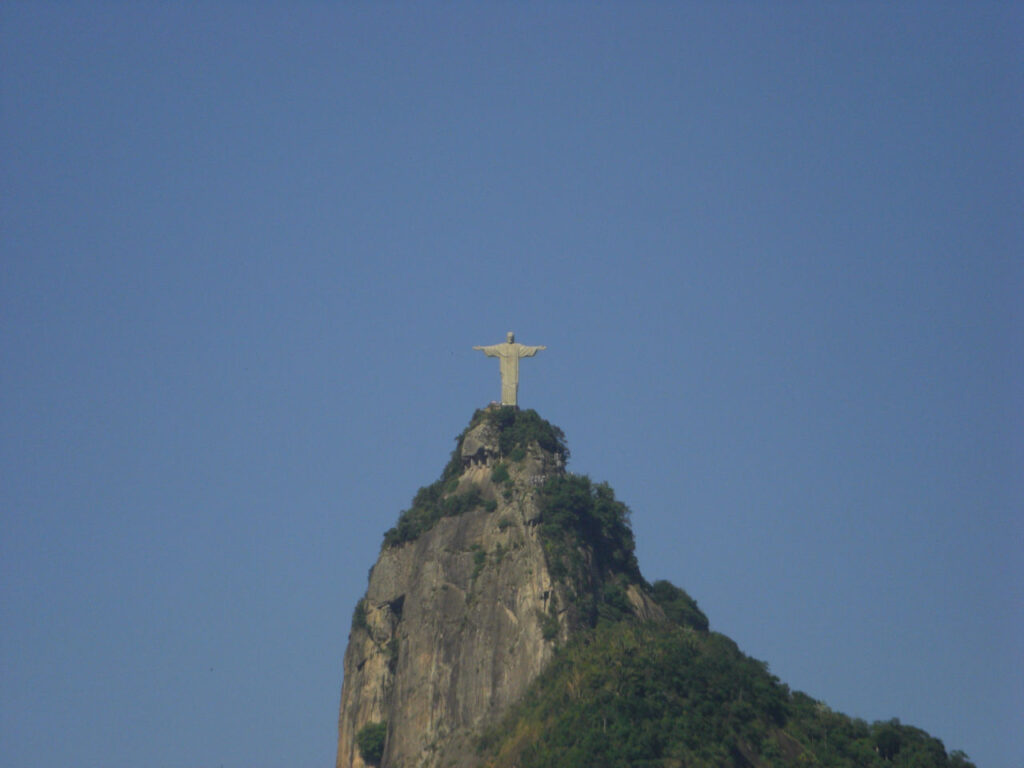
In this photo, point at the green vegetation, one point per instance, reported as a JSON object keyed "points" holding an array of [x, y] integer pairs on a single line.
{"points": [[370, 740], [516, 430], [589, 546], [359, 616], [428, 506], [500, 473], [678, 606], [479, 560], [630, 695], [549, 625], [575, 511]]}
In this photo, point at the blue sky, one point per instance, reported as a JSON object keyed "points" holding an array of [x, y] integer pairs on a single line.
{"points": [[774, 251]]}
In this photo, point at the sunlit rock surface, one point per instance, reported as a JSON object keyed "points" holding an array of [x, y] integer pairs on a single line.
{"points": [[454, 628]]}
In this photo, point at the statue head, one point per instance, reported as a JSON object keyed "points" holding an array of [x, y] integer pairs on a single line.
{"points": [[511, 337]]}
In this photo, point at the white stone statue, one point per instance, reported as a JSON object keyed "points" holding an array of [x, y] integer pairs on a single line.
{"points": [[509, 352]]}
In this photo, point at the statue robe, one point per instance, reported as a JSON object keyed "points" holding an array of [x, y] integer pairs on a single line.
{"points": [[509, 355]]}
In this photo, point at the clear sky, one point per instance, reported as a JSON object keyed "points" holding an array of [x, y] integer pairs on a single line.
{"points": [[774, 250]]}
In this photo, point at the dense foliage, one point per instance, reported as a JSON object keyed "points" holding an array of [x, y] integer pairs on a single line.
{"points": [[629, 695], [516, 431], [359, 615], [430, 504], [370, 741], [678, 606], [589, 546]]}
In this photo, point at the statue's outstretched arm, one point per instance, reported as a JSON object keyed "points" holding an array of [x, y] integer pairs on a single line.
{"points": [[525, 351], [492, 351]]}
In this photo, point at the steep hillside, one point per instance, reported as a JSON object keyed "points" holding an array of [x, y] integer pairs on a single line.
{"points": [[506, 624], [669, 695], [474, 588]]}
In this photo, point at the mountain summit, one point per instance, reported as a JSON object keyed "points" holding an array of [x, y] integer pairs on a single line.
{"points": [[471, 594], [506, 624]]}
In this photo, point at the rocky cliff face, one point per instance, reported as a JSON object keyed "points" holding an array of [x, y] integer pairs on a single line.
{"points": [[459, 618], [507, 557]]}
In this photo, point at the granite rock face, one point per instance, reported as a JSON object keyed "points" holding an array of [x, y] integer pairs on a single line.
{"points": [[458, 622]]}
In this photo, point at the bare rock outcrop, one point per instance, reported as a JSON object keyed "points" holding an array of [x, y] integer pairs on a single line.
{"points": [[458, 621]]}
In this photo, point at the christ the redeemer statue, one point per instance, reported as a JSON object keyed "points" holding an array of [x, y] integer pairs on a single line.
{"points": [[509, 352]]}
